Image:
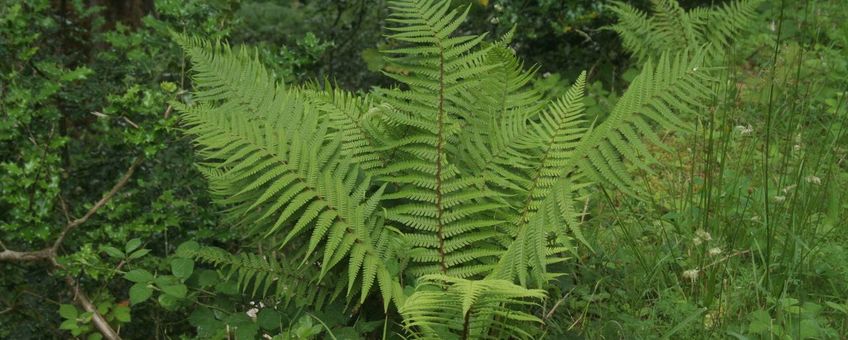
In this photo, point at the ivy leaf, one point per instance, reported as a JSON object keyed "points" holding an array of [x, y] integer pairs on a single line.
{"points": [[68, 312], [182, 267], [139, 293], [139, 276]]}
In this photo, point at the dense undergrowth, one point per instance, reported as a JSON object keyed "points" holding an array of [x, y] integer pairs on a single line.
{"points": [[734, 228]]}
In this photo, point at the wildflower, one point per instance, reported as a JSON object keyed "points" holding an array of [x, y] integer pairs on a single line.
{"points": [[744, 130], [697, 241], [252, 313], [691, 274], [779, 199], [495, 20], [703, 235], [786, 190], [498, 8], [813, 179], [797, 147], [546, 74], [714, 251]]}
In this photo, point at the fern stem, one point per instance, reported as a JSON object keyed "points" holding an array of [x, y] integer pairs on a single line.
{"points": [[439, 154], [466, 323]]}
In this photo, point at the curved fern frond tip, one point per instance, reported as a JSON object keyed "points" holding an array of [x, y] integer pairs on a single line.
{"points": [[444, 306], [671, 28]]}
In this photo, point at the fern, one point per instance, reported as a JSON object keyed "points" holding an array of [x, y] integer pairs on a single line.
{"points": [[277, 168], [444, 307], [671, 28], [460, 178]]}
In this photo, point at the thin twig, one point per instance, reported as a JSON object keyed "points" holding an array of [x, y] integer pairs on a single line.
{"points": [[49, 254], [117, 187]]}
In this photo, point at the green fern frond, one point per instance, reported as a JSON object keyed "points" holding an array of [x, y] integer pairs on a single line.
{"points": [[281, 173], [444, 307], [262, 276], [438, 199], [659, 95], [556, 135], [348, 116], [673, 29]]}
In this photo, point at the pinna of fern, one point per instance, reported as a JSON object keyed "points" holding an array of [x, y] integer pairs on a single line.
{"points": [[461, 177]]}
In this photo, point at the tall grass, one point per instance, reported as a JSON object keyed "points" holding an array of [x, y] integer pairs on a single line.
{"points": [[745, 233]]}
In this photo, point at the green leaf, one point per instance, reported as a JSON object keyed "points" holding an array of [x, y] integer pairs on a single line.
{"points": [[187, 249], [68, 311], [269, 319], [760, 322], [139, 253], [133, 245], [69, 325], [112, 252], [207, 278], [178, 291], [140, 292], [122, 313], [182, 267], [168, 302], [139, 276], [95, 336]]}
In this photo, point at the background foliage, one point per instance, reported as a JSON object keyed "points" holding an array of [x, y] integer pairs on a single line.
{"points": [[744, 235]]}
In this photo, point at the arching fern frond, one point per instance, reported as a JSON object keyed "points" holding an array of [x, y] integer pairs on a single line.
{"points": [[279, 172], [270, 275], [556, 136], [347, 114], [660, 94], [444, 307], [673, 29]]}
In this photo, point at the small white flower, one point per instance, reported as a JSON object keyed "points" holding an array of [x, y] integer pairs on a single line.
{"points": [[252, 313], [498, 7], [691, 274], [797, 147], [779, 199], [697, 241], [813, 179], [786, 190], [744, 130], [546, 74], [715, 251], [495, 20], [703, 235]]}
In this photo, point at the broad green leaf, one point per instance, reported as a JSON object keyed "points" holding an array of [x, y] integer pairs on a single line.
{"points": [[140, 292], [139, 276], [182, 267]]}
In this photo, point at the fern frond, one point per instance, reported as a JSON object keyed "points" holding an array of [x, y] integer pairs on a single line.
{"points": [[557, 135], [262, 276], [435, 196], [348, 116], [659, 95], [444, 307], [673, 29], [280, 173]]}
